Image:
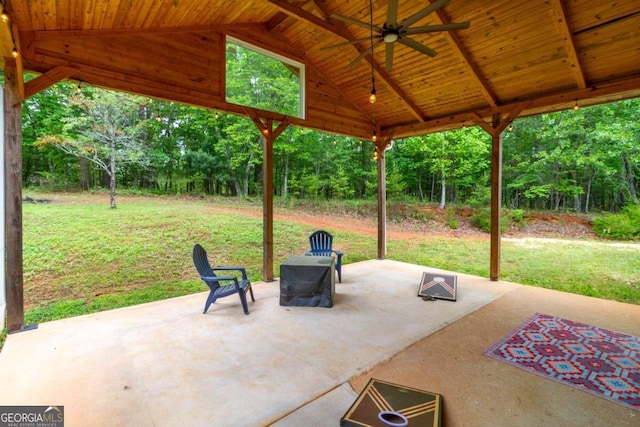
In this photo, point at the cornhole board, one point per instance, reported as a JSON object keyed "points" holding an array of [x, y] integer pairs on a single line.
{"points": [[439, 286], [384, 404]]}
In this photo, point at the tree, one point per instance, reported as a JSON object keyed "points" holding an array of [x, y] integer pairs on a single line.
{"points": [[105, 134]]}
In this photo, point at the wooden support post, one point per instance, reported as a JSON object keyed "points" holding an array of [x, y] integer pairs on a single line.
{"points": [[267, 208], [381, 146], [269, 135], [13, 197], [382, 205], [496, 199], [495, 129]]}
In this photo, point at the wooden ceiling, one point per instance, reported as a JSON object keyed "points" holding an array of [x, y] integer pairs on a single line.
{"points": [[516, 58]]}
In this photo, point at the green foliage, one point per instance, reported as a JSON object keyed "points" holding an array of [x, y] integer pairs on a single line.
{"points": [[509, 218], [482, 219], [622, 226], [582, 161], [452, 220], [480, 197]]}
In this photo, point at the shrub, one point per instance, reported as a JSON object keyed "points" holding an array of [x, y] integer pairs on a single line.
{"points": [[622, 226], [482, 220]]}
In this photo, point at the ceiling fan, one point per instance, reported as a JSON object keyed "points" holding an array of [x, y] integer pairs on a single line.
{"points": [[393, 31]]}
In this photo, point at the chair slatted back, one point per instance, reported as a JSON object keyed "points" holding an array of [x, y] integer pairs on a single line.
{"points": [[201, 261], [321, 242]]}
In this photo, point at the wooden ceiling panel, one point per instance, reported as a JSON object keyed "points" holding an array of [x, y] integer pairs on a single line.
{"points": [[547, 52], [611, 44], [584, 16]]}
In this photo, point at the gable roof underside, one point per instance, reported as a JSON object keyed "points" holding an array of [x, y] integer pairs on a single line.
{"points": [[516, 58]]}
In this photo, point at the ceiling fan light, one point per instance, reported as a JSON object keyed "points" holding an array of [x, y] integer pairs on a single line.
{"points": [[390, 37]]}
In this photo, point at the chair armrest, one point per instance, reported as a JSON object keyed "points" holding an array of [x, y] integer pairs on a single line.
{"points": [[233, 268], [218, 278], [339, 253], [308, 253]]}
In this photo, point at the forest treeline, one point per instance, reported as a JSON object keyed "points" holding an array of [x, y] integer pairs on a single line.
{"points": [[82, 137]]}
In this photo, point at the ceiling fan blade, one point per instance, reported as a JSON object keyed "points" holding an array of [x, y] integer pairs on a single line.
{"points": [[392, 12], [417, 46], [389, 56], [424, 12], [365, 39], [436, 28], [363, 54], [355, 22]]}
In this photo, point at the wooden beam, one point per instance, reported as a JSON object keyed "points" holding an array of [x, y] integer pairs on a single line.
{"points": [[381, 145], [310, 18], [560, 100], [18, 61], [269, 135], [469, 65], [13, 197], [493, 131], [560, 10], [496, 200], [47, 79]]}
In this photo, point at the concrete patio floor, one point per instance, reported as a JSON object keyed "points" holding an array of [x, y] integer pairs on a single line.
{"points": [[167, 364]]}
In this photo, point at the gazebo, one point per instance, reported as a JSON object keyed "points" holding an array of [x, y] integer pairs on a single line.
{"points": [[429, 70]]}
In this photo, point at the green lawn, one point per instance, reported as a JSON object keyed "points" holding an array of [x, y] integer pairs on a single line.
{"points": [[81, 257]]}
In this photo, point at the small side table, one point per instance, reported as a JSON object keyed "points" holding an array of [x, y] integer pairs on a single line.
{"points": [[307, 281]]}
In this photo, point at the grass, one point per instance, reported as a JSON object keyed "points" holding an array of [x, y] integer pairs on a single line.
{"points": [[81, 257]]}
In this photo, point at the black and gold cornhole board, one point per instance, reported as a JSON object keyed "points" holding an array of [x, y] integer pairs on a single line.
{"points": [[384, 404], [439, 286]]}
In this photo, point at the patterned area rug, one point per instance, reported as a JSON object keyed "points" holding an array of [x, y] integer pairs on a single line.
{"points": [[601, 362]]}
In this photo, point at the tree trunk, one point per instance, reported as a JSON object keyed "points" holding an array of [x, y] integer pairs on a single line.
{"points": [[247, 172], [84, 174], [443, 191], [285, 179], [112, 176], [630, 178]]}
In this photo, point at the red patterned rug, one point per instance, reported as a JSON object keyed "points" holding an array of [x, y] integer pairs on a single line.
{"points": [[596, 360]]}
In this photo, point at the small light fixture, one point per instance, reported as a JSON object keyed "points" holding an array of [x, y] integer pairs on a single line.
{"points": [[217, 116], [390, 37], [375, 154], [374, 138], [14, 52], [5, 16], [265, 131], [464, 125], [79, 88], [372, 97], [510, 128], [576, 107]]}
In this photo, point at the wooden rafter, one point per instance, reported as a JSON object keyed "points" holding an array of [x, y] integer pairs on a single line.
{"points": [[310, 18], [469, 65], [560, 11], [340, 30]]}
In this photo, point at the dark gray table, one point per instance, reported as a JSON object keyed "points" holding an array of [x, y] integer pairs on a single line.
{"points": [[307, 281]]}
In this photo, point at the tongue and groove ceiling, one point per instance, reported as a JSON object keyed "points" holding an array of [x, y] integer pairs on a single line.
{"points": [[516, 58]]}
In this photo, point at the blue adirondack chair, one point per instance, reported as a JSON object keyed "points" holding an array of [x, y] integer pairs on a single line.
{"points": [[221, 286], [321, 243]]}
